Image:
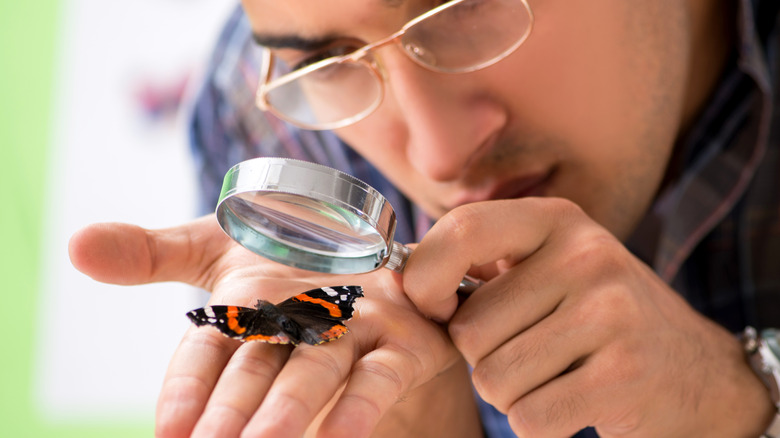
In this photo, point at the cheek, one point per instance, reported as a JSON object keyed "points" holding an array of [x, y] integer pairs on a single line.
{"points": [[582, 76], [381, 139], [612, 115]]}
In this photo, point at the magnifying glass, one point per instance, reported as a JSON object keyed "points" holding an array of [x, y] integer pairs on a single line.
{"points": [[312, 217]]}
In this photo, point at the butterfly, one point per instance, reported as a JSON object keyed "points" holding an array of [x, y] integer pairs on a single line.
{"points": [[313, 317]]}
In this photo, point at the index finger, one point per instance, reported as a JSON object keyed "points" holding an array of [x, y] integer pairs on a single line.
{"points": [[474, 235]]}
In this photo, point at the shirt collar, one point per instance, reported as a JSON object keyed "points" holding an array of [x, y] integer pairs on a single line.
{"points": [[719, 152]]}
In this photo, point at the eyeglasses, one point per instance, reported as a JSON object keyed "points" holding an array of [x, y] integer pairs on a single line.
{"points": [[459, 36]]}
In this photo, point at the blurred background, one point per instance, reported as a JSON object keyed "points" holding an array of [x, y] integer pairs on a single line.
{"points": [[91, 131]]}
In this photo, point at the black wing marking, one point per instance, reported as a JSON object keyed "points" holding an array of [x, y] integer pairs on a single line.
{"points": [[321, 313], [243, 323]]}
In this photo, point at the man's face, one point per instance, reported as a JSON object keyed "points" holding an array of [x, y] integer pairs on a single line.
{"points": [[587, 108]]}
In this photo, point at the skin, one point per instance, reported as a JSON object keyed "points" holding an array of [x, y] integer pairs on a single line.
{"points": [[217, 386], [565, 143]]}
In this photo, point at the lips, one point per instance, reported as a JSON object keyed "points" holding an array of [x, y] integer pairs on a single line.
{"points": [[519, 187], [522, 187]]}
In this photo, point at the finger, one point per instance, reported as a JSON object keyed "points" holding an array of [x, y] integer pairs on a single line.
{"points": [[500, 309], [561, 407], [240, 389], [401, 357], [191, 377], [473, 235], [555, 345], [516, 300], [375, 387], [128, 254], [377, 381], [309, 379]]}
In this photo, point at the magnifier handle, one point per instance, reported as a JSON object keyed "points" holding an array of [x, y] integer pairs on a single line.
{"points": [[469, 284], [397, 261], [399, 254]]}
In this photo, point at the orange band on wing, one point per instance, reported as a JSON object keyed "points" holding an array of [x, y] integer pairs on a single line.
{"points": [[333, 309], [274, 339], [335, 332], [232, 322]]}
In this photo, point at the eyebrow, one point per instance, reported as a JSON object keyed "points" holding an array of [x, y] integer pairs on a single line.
{"points": [[297, 42], [291, 41]]}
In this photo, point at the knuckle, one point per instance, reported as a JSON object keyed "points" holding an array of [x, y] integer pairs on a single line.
{"points": [[562, 209], [460, 224], [291, 401], [624, 364], [563, 410], [481, 377], [533, 421], [179, 395], [489, 376], [218, 418], [368, 403], [384, 372], [488, 381], [465, 334], [181, 386], [321, 360], [609, 309], [471, 330], [595, 252], [254, 366]]}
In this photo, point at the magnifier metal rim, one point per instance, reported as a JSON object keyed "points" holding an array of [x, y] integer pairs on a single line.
{"points": [[312, 181]]}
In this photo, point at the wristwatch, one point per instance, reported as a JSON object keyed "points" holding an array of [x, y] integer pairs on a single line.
{"points": [[763, 353]]}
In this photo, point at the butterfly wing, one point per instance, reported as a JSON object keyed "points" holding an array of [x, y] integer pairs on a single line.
{"points": [[243, 323], [321, 313]]}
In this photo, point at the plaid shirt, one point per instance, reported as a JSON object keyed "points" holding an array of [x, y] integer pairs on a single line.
{"points": [[713, 232]]}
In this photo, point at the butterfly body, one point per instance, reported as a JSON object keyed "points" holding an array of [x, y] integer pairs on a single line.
{"points": [[312, 317]]}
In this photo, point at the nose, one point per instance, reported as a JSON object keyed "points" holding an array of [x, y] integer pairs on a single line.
{"points": [[450, 119]]}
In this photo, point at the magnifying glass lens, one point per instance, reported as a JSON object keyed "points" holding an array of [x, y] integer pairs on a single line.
{"points": [[306, 215], [307, 224]]}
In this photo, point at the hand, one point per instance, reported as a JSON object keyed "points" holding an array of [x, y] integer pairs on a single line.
{"points": [[572, 331], [217, 386]]}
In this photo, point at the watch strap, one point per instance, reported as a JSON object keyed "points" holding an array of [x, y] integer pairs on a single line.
{"points": [[763, 358]]}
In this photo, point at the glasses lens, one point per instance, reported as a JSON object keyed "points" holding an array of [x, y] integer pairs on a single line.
{"points": [[468, 35], [333, 95]]}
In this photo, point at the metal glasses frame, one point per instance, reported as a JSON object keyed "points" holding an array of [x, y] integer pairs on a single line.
{"points": [[363, 55]]}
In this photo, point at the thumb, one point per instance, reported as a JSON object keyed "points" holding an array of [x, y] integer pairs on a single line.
{"points": [[128, 254]]}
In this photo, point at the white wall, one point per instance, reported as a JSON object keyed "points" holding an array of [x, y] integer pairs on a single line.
{"points": [[103, 350]]}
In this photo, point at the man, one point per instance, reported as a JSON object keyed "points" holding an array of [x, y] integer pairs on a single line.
{"points": [[608, 168]]}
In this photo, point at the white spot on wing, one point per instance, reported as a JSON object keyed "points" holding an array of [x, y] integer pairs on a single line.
{"points": [[330, 291], [209, 312]]}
